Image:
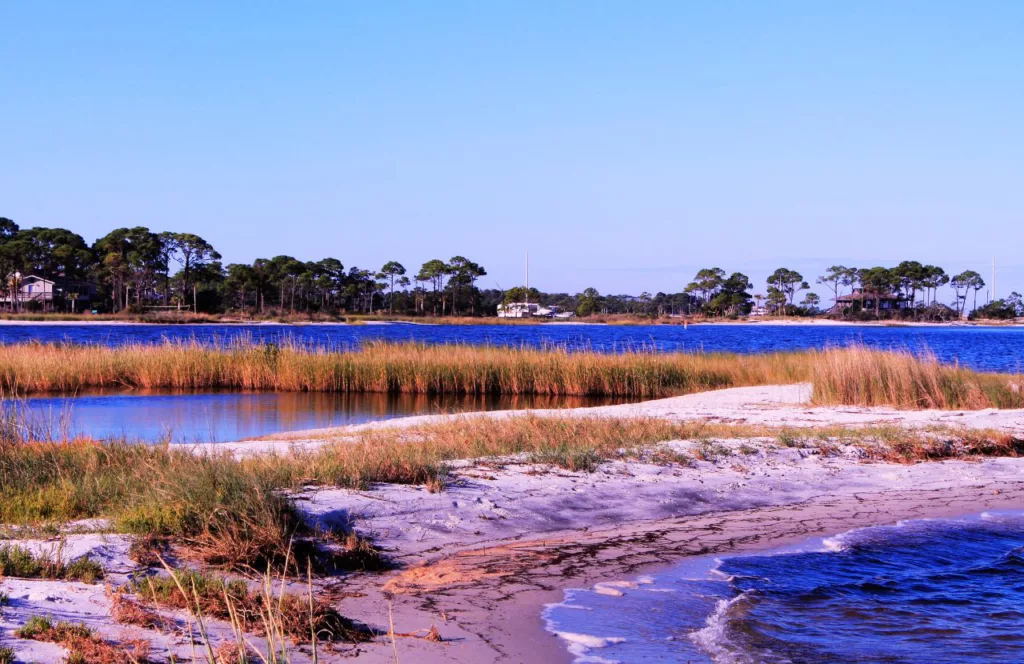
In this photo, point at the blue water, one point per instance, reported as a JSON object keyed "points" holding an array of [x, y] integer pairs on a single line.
{"points": [[226, 416], [984, 348], [938, 591]]}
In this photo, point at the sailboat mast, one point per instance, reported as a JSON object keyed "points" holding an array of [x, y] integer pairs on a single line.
{"points": [[993, 278], [526, 297]]}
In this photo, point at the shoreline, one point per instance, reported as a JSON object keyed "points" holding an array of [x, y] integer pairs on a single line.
{"points": [[772, 322], [534, 574], [705, 567]]}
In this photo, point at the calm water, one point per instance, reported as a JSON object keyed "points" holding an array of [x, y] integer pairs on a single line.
{"points": [[939, 591], [226, 416], [991, 349]]}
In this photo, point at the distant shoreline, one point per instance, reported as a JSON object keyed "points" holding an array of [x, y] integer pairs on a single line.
{"points": [[357, 322]]}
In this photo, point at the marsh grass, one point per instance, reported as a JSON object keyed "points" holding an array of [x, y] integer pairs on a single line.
{"points": [[387, 368], [848, 376], [862, 377]]}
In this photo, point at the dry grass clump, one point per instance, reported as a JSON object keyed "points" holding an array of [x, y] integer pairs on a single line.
{"points": [[896, 444], [919, 446], [6, 655], [422, 454], [82, 644], [225, 514], [19, 562], [260, 612], [127, 611], [862, 377]]}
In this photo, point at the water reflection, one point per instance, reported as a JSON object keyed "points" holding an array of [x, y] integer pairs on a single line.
{"points": [[154, 416]]}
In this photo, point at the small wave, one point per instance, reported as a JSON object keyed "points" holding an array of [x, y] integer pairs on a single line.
{"points": [[834, 544], [612, 588], [580, 646], [713, 639]]}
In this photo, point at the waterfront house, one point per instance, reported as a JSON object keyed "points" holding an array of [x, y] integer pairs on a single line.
{"points": [[871, 301], [531, 310], [37, 292]]}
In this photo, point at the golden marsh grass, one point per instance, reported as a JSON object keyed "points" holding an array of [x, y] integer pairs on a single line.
{"points": [[849, 376]]}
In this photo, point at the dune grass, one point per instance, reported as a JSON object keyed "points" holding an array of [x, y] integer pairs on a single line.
{"points": [[84, 646], [252, 610], [236, 510]]}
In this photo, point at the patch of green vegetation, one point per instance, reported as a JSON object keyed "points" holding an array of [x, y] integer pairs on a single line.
{"points": [[19, 562], [712, 452], [789, 438], [6, 655]]}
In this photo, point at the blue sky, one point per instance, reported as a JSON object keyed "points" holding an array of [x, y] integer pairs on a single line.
{"points": [[625, 144]]}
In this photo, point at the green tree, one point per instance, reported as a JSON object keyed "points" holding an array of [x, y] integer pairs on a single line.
{"points": [[878, 282], [129, 259], [196, 257], [464, 274], [811, 302], [910, 277], [732, 297], [934, 279], [51, 253], [706, 283], [788, 282], [836, 277], [962, 285], [775, 300], [587, 302], [435, 271], [392, 270], [240, 280]]}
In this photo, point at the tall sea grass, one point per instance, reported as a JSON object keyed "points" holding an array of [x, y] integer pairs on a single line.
{"points": [[387, 367], [859, 376], [854, 375]]}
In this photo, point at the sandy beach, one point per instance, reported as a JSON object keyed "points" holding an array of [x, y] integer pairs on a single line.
{"points": [[481, 559]]}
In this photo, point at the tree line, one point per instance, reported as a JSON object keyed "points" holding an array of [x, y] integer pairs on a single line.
{"points": [[908, 290], [136, 269]]}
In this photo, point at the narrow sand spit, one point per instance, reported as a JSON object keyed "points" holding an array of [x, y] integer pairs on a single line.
{"points": [[479, 560], [771, 405]]}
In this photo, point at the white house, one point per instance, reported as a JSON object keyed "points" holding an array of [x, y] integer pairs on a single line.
{"points": [[531, 310], [34, 290], [30, 289]]}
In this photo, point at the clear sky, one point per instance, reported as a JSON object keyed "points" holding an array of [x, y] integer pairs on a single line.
{"points": [[625, 144]]}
